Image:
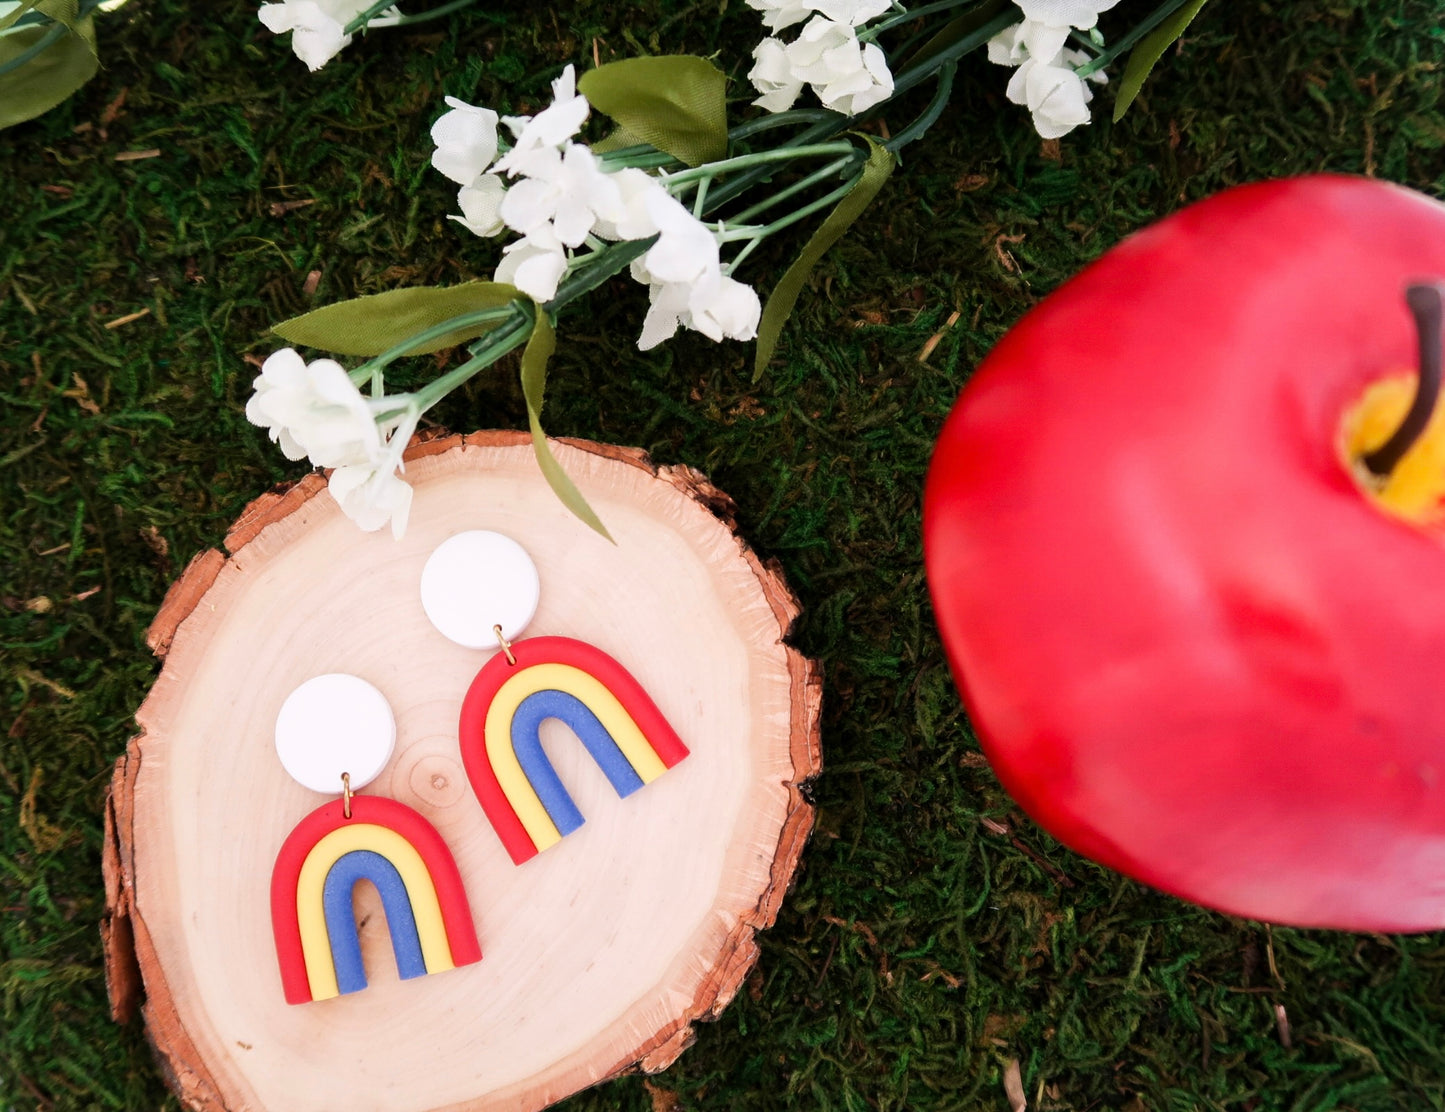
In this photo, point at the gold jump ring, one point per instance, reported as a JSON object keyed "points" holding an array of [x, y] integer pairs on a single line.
{"points": [[506, 645]]}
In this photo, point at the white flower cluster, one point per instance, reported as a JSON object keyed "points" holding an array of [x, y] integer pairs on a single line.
{"points": [[557, 195], [314, 410], [318, 27], [1046, 80], [848, 76]]}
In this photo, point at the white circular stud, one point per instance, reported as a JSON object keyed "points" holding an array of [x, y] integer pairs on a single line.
{"points": [[333, 724], [478, 580]]}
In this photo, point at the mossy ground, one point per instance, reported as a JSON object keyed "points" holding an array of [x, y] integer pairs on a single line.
{"points": [[934, 934]]}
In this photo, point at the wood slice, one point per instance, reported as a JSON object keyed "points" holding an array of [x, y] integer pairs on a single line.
{"points": [[599, 953]]}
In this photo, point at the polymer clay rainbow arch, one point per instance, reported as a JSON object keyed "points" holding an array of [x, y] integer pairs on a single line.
{"points": [[398, 851], [556, 677]]}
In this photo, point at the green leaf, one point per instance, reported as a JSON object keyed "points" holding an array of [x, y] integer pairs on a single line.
{"points": [[955, 31], [1149, 51], [14, 17], [618, 138], [534, 384], [66, 12], [785, 294], [676, 102], [64, 63], [380, 322]]}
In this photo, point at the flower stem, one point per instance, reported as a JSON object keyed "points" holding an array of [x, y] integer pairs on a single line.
{"points": [[436, 332], [808, 209], [34, 16], [748, 249], [49, 39], [508, 336], [909, 16], [783, 119], [921, 71], [930, 115], [435, 13], [365, 17], [1151, 21], [823, 129], [796, 188], [758, 159]]}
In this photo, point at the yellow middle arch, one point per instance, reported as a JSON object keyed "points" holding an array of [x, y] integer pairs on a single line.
{"points": [[598, 699], [436, 951]]}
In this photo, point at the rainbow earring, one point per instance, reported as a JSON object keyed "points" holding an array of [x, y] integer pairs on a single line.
{"points": [[336, 731], [481, 589]]}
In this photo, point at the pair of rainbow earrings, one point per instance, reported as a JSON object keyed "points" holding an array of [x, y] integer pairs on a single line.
{"points": [[337, 732]]}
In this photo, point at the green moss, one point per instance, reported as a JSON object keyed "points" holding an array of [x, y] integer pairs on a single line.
{"points": [[920, 950]]}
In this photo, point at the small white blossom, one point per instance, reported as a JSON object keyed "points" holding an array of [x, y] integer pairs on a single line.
{"points": [[717, 306], [374, 495], [1055, 94], [549, 128], [855, 13], [1082, 14], [481, 204], [685, 249], [634, 219], [466, 141], [722, 307], [1027, 39], [313, 410], [778, 14], [316, 410], [318, 27], [772, 76], [848, 76], [568, 189], [534, 264]]}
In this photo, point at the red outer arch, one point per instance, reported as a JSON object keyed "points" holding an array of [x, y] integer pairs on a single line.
{"points": [[1192, 649], [529, 653], [451, 893]]}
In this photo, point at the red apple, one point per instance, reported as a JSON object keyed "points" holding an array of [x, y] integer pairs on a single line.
{"points": [[1195, 646]]}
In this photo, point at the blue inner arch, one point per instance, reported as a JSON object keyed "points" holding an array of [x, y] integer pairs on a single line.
{"points": [[349, 869], [527, 744]]}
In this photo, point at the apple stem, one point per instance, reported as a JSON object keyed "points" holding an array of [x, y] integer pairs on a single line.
{"points": [[1427, 304]]}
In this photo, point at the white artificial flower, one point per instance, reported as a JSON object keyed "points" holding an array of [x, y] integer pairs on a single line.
{"points": [[634, 219], [372, 496], [534, 264], [371, 493], [1055, 94], [549, 128], [855, 13], [724, 307], [778, 14], [466, 141], [318, 27], [1027, 39], [1082, 14], [848, 76], [569, 190], [313, 410], [717, 306], [668, 303], [685, 247], [772, 76], [481, 204]]}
